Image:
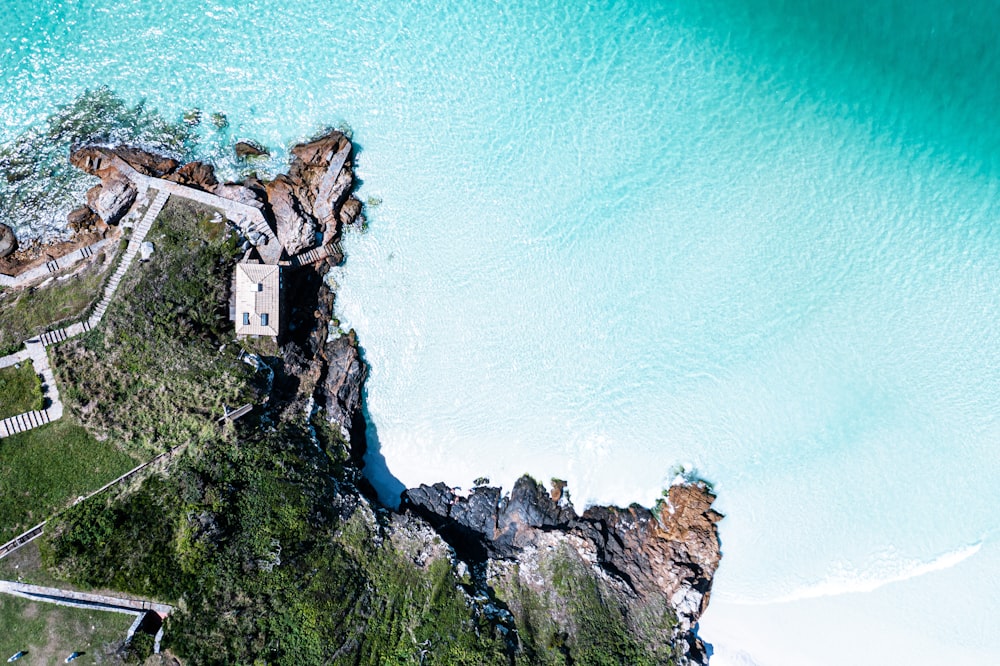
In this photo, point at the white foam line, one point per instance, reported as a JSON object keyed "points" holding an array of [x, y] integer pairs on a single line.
{"points": [[861, 583]]}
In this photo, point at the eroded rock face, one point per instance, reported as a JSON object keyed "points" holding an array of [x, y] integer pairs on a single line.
{"points": [[294, 226], [96, 159], [647, 558], [8, 241], [82, 218], [146, 162], [112, 199], [340, 391]]}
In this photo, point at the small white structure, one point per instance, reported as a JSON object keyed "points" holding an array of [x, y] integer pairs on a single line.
{"points": [[146, 250], [258, 299]]}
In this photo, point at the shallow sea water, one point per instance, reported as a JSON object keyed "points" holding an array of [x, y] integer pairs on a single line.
{"points": [[753, 238]]}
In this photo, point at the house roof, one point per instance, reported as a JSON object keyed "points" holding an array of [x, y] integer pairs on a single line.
{"points": [[255, 300]]}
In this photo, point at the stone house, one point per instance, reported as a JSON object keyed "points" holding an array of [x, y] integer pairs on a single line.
{"points": [[257, 291]]}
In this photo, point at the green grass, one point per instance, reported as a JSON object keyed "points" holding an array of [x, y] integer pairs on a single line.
{"points": [[45, 469], [30, 312], [49, 633], [158, 370], [20, 390]]}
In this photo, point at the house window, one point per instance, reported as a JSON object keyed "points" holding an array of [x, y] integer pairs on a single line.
{"points": [[263, 319], [260, 286], [246, 318]]}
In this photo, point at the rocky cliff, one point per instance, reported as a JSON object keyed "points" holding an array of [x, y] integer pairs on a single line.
{"points": [[605, 585], [550, 573]]}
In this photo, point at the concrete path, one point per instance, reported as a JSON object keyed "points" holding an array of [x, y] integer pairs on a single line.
{"points": [[53, 266], [83, 599], [35, 350], [139, 608], [14, 359]]}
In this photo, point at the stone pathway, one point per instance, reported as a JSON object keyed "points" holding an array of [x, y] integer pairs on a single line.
{"points": [[52, 266], [87, 600]]}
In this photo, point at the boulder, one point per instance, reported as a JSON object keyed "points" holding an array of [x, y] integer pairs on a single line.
{"points": [[8, 241], [248, 149], [112, 199], [350, 212], [320, 151], [294, 226], [81, 218], [195, 174]]}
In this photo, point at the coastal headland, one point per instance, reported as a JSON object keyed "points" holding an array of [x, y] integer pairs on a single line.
{"points": [[262, 530]]}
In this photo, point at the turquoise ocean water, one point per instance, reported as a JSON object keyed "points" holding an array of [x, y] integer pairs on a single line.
{"points": [[751, 237]]}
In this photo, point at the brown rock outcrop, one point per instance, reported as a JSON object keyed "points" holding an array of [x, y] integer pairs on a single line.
{"points": [[195, 174], [350, 212], [248, 149], [294, 225], [82, 218], [95, 159], [113, 198]]}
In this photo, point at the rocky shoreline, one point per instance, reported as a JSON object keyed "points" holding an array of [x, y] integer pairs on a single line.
{"points": [[528, 559]]}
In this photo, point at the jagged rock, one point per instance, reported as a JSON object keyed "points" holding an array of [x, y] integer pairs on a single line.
{"points": [[320, 151], [248, 149], [318, 166], [294, 226], [195, 174], [340, 391], [649, 559], [8, 241], [146, 162], [112, 199]]}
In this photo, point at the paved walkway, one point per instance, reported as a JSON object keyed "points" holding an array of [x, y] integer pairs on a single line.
{"points": [[138, 608], [245, 216], [53, 266]]}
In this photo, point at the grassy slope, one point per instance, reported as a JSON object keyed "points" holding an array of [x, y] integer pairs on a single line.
{"points": [[49, 633], [152, 376], [20, 390], [247, 537], [29, 313], [44, 469]]}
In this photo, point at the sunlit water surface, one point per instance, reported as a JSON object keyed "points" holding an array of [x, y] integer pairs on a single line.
{"points": [[750, 237]]}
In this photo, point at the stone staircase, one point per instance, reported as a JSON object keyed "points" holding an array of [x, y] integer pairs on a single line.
{"points": [[22, 422], [35, 348], [131, 250], [314, 255]]}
